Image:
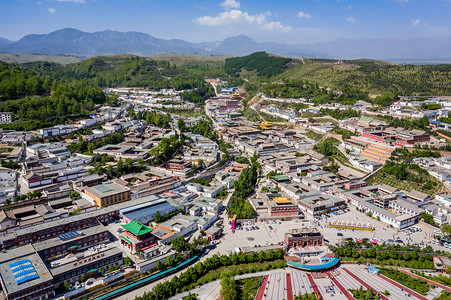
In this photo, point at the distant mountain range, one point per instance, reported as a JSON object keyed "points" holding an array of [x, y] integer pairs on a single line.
{"points": [[71, 41]]}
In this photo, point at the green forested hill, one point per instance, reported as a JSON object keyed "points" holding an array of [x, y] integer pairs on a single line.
{"points": [[375, 77], [130, 71], [264, 64], [47, 92]]}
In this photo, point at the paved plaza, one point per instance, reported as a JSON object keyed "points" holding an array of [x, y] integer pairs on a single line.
{"points": [[277, 285], [274, 233]]}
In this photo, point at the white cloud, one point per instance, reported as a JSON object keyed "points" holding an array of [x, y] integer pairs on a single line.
{"points": [[302, 14], [351, 19], [348, 7], [276, 26], [52, 11], [230, 4], [238, 17], [75, 1], [414, 22]]}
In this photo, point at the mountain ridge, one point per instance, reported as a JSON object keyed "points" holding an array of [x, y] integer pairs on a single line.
{"points": [[71, 41]]}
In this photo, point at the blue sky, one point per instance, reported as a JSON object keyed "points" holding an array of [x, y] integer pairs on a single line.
{"points": [[288, 21]]}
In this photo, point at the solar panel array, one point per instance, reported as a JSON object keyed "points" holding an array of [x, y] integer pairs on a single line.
{"points": [[23, 271], [69, 235]]}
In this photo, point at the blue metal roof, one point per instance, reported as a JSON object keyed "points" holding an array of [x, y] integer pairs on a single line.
{"points": [[327, 265], [148, 211], [23, 271], [68, 235]]}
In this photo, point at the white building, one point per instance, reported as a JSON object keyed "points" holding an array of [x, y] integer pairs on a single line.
{"points": [[5, 117]]}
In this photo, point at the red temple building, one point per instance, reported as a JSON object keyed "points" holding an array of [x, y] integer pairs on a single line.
{"points": [[136, 236]]}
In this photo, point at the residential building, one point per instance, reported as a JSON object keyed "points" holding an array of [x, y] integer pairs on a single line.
{"points": [[107, 194], [24, 275]]}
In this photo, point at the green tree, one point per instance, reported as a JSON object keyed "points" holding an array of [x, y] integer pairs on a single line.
{"points": [[446, 229], [157, 217], [129, 163], [181, 125], [159, 265], [91, 147], [141, 163], [83, 278], [127, 261], [169, 261], [67, 285], [228, 288]]}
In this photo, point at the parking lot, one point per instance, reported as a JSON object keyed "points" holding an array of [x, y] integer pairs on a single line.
{"points": [[267, 233]]}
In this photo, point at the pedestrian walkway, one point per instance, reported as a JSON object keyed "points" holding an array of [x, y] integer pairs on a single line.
{"points": [[314, 286], [289, 288], [301, 285], [342, 289], [365, 284], [261, 290]]}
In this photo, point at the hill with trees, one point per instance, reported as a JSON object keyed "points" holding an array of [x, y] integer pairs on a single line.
{"points": [[372, 76], [43, 93], [264, 64]]}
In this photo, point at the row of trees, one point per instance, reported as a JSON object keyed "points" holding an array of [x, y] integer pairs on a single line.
{"points": [[388, 256], [238, 204], [27, 196]]}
